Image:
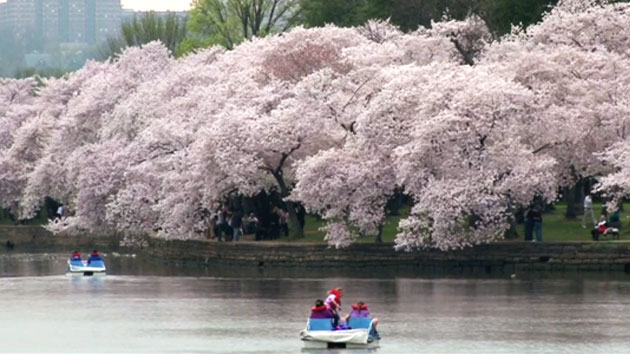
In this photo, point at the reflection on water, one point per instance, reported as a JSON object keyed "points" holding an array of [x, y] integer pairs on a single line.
{"points": [[342, 351], [145, 306]]}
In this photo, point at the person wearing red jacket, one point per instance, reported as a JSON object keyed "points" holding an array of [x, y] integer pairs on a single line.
{"points": [[94, 257], [333, 301], [361, 310], [76, 256], [321, 311]]}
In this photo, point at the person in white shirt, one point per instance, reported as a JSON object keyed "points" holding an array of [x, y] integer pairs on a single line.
{"points": [[588, 210], [333, 303], [60, 211]]}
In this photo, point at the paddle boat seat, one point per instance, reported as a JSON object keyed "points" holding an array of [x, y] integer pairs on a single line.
{"points": [[320, 324], [360, 323], [96, 263], [76, 262]]}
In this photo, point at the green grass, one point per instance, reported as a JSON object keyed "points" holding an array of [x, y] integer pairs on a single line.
{"points": [[313, 234], [556, 228]]}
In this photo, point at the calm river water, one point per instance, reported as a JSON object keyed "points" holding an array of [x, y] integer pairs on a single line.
{"points": [[145, 307]]}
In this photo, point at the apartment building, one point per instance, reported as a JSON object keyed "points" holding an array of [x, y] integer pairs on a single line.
{"points": [[61, 21]]}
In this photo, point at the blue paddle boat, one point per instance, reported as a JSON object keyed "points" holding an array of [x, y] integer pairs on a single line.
{"points": [[94, 266]]}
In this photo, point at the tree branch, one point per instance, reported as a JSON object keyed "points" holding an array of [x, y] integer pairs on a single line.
{"points": [[467, 56]]}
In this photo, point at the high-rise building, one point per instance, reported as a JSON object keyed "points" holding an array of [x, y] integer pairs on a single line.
{"points": [[3, 11], [49, 28], [77, 18], [62, 21], [108, 19], [19, 17]]}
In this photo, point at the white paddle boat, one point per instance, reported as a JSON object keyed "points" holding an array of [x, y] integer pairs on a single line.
{"points": [[319, 334]]}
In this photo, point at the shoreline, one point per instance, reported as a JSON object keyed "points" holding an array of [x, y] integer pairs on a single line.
{"points": [[504, 257]]}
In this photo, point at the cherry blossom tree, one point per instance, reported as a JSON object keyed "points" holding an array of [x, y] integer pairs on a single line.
{"points": [[585, 24], [576, 63], [616, 184], [157, 196], [16, 100], [582, 96], [70, 150], [447, 135], [309, 87], [262, 129], [469, 37], [465, 161]]}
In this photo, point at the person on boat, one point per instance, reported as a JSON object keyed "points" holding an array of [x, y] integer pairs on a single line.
{"points": [[360, 310], [320, 310], [76, 256], [333, 303], [94, 256]]}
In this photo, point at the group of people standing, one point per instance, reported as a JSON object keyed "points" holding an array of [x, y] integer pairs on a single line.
{"points": [[231, 223], [331, 307], [227, 224], [276, 223]]}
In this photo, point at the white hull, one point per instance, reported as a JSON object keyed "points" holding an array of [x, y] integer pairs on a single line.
{"points": [[85, 274], [349, 339], [84, 270], [310, 344]]}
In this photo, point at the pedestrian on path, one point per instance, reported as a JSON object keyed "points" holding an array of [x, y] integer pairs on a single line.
{"points": [[237, 223], [529, 225], [538, 219], [588, 210]]}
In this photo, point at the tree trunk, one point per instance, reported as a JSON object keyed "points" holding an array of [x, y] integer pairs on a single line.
{"points": [[296, 231], [569, 197]]}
